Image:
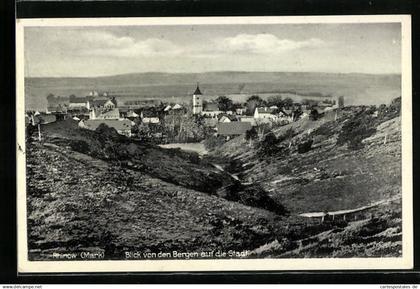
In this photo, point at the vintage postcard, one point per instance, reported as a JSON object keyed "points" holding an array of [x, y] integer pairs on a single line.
{"points": [[214, 143]]}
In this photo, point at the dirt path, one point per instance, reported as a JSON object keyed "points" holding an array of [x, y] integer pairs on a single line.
{"points": [[344, 212]]}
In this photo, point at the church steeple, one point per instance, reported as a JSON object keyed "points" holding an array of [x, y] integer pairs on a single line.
{"points": [[197, 101], [197, 90]]}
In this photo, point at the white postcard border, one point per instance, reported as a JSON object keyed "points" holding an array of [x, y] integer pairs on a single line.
{"points": [[405, 262]]}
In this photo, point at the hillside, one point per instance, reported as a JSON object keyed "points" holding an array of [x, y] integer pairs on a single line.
{"points": [[331, 176], [97, 191], [357, 88]]}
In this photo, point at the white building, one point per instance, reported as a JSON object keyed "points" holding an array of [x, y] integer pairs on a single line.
{"points": [[265, 113]]}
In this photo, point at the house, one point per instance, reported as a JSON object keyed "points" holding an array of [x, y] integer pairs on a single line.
{"points": [[97, 103], [122, 126], [249, 119], [78, 103], [227, 118], [109, 114], [266, 113], [132, 104], [150, 115], [240, 111], [132, 114], [176, 107], [153, 120], [234, 128], [211, 109]]}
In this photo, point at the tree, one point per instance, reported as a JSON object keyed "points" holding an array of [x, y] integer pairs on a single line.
{"points": [[355, 130], [288, 102], [224, 103], [50, 96], [269, 144], [305, 146], [314, 115], [252, 102], [251, 134], [276, 100]]}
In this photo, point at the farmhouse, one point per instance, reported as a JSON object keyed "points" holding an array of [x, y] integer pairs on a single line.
{"points": [[234, 128], [110, 114], [78, 103], [149, 115], [227, 118], [211, 109], [266, 113], [122, 126]]}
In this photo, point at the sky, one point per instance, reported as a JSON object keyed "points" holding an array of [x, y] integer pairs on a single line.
{"points": [[110, 50]]}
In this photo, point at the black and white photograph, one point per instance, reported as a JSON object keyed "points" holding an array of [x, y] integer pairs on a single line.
{"points": [[200, 144]]}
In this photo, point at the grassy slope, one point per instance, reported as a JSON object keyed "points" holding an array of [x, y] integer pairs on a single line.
{"points": [[77, 201], [328, 178], [81, 198]]}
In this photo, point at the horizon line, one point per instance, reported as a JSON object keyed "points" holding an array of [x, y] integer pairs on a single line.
{"points": [[216, 71]]}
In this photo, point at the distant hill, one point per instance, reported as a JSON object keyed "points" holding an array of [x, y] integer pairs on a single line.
{"points": [[357, 88]]}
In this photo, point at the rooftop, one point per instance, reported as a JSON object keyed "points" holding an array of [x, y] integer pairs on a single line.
{"points": [[268, 110], [197, 91], [118, 124], [233, 128]]}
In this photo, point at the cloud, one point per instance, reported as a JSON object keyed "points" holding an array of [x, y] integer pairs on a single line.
{"points": [[107, 44], [264, 44], [98, 43], [148, 47]]}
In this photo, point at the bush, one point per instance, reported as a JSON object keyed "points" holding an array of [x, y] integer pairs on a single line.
{"points": [[269, 143], [355, 130], [287, 135], [251, 134], [305, 146], [389, 112], [214, 142], [314, 115]]}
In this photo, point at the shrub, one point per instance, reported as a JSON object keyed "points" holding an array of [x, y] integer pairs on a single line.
{"points": [[314, 115], [305, 146], [355, 130], [214, 142], [251, 134], [288, 134], [269, 143], [388, 112]]}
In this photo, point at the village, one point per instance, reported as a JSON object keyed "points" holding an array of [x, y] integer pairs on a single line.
{"points": [[158, 122]]}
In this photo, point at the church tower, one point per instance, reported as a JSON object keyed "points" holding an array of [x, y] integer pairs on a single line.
{"points": [[197, 101]]}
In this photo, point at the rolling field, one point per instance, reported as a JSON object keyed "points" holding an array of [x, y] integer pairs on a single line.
{"points": [[356, 88]]}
